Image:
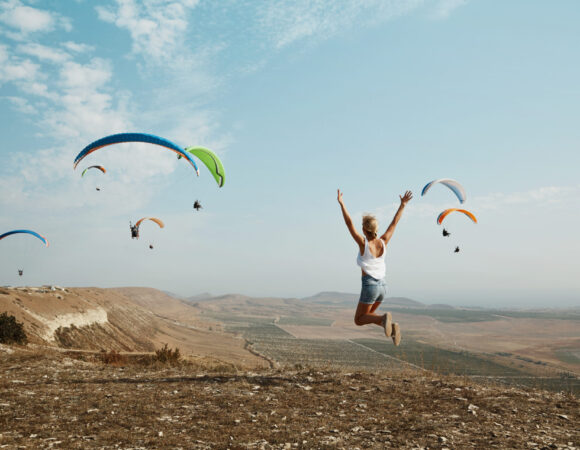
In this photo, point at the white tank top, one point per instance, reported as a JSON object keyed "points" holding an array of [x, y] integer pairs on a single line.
{"points": [[375, 267]]}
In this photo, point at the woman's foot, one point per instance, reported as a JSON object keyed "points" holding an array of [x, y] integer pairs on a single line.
{"points": [[387, 324], [396, 334]]}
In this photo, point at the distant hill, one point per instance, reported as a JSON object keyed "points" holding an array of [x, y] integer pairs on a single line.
{"points": [[174, 295], [403, 301], [342, 298], [332, 298], [199, 297], [441, 306]]}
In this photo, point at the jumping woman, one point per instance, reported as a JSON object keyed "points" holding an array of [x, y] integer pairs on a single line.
{"points": [[371, 259]]}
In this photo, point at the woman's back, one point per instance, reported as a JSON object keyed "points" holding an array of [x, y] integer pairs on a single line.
{"points": [[372, 259], [376, 247]]}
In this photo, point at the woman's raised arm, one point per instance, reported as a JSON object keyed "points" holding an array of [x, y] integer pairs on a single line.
{"points": [[348, 221], [404, 200]]}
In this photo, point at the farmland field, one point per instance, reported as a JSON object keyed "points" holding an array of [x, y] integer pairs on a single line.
{"points": [[270, 340]]}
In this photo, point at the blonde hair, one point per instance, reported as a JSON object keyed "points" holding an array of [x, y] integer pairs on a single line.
{"points": [[370, 225]]}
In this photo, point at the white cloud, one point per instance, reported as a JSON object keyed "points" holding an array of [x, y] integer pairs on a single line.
{"points": [[16, 69], [75, 47], [157, 27], [85, 105], [539, 197], [21, 104], [38, 89], [27, 20], [43, 53], [444, 8], [290, 21], [81, 77]]}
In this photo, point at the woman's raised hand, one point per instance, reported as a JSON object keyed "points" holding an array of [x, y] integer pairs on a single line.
{"points": [[339, 196], [405, 198]]}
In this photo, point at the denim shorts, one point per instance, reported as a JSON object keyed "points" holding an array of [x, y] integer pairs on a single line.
{"points": [[372, 291]]}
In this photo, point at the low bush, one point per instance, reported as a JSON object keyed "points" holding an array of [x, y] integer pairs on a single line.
{"points": [[112, 357], [11, 331], [167, 355]]}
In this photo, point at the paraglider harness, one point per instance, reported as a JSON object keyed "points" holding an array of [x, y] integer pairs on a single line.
{"points": [[20, 272], [134, 231]]}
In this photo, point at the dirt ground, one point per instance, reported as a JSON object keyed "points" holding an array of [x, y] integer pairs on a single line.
{"points": [[51, 400]]}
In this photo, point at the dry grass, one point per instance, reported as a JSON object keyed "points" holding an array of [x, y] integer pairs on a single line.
{"points": [[49, 399]]}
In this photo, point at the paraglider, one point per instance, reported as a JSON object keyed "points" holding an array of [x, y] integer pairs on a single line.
{"points": [[30, 232], [445, 213], [457, 189], [133, 137], [456, 250], [151, 246], [33, 233], [446, 233], [196, 205], [101, 168], [135, 228]]}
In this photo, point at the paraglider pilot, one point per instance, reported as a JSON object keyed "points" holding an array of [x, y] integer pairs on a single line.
{"points": [[197, 205], [134, 231], [20, 272], [446, 233], [456, 250]]}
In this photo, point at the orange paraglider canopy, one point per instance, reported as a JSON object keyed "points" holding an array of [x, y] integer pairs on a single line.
{"points": [[154, 219], [450, 210]]}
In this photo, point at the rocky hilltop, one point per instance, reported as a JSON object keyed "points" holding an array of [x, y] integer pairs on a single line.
{"points": [[72, 401]]}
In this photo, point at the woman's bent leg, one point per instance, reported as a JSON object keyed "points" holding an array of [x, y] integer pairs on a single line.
{"points": [[364, 315], [375, 305]]}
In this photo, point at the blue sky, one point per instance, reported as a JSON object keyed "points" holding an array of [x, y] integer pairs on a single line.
{"points": [[298, 98]]}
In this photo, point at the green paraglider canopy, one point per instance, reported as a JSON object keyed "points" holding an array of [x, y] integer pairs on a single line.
{"points": [[211, 160]]}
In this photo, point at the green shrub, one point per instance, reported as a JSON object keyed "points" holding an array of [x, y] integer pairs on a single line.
{"points": [[167, 356], [11, 331]]}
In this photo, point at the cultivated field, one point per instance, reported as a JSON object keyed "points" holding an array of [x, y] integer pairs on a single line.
{"points": [[517, 348]]}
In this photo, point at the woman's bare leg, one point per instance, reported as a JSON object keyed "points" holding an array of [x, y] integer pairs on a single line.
{"points": [[364, 315]]}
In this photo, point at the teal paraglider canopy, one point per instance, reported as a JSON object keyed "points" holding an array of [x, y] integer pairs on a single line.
{"points": [[455, 187], [33, 233], [134, 137]]}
